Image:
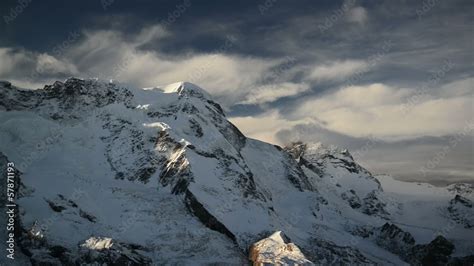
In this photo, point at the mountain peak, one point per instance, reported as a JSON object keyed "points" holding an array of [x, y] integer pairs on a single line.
{"points": [[184, 88]]}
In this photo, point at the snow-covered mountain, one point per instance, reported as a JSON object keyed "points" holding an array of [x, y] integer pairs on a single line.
{"points": [[123, 176]]}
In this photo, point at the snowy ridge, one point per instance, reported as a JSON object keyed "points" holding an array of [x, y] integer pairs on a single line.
{"points": [[160, 176]]}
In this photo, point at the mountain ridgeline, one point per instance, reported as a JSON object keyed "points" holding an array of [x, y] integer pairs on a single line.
{"points": [[125, 176]]}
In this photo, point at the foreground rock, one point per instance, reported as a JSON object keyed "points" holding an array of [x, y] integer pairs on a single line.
{"points": [[277, 250]]}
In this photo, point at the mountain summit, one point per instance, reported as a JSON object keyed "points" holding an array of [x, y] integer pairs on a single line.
{"points": [[124, 176]]}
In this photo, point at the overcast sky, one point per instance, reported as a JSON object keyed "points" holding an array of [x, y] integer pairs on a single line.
{"points": [[390, 80]]}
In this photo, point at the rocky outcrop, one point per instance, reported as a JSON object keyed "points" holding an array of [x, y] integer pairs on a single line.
{"points": [[402, 243], [205, 217], [394, 239], [352, 198], [95, 250], [355, 184], [277, 249], [64, 101], [462, 189], [372, 205], [437, 252], [327, 253], [461, 210], [105, 250], [462, 261]]}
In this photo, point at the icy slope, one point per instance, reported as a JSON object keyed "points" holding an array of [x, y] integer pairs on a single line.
{"points": [[160, 176], [426, 211]]}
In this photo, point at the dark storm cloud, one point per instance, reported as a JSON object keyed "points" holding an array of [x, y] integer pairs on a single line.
{"points": [[283, 28], [424, 34]]}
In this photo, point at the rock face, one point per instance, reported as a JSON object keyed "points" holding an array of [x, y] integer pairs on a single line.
{"points": [[394, 239], [328, 253], [397, 241], [105, 250], [437, 252], [461, 211], [160, 176], [352, 182], [277, 250]]}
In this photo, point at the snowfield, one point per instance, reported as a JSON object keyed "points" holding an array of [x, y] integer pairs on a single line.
{"points": [[159, 176]]}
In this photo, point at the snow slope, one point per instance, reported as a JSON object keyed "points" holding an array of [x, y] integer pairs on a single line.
{"points": [[160, 176], [426, 211]]}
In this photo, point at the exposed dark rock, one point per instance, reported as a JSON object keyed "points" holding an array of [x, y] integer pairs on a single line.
{"points": [[394, 239], [437, 252], [327, 253], [125, 136], [73, 97], [205, 217], [196, 128], [461, 200], [296, 175], [462, 261], [244, 179], [57, 251], [461, 188], [217, 106], [364, 231], [72, 203], [461, 211], [373, 206], [116, 253], [55, 207], [85, 215], [352, 198]]}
